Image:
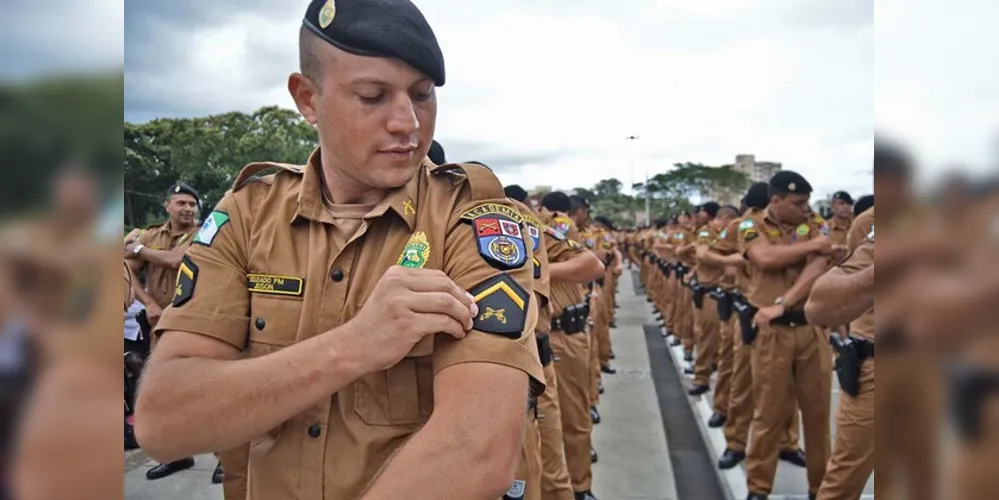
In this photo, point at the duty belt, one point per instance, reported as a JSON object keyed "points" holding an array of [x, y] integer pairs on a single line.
{"points": [[792, 318], [544, 348]]}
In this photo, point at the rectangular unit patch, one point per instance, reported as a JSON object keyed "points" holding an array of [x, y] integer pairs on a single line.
{"points": [[493, 208], [277, 285]]}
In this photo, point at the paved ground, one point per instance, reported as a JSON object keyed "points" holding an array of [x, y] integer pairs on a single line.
{"points": [[635, 454]]}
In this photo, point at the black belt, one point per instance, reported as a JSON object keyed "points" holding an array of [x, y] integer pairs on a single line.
{"points": [[791, 317]]}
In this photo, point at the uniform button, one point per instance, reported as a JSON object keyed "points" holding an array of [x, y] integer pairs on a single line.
{"points": [[314, 430], [260, 323], [337, 275]]}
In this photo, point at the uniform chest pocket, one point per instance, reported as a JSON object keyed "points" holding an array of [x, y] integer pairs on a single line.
{"points": [[401, 395], [274, 320]]}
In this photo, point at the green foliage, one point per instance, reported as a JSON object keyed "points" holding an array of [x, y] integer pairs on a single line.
{"points": [[46, 122], [207, 153]]}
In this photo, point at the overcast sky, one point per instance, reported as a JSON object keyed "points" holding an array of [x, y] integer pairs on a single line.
{"points": [[545, 92]]}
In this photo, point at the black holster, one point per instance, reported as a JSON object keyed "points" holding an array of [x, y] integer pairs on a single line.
{"points": [[697, 294], [544, 349], [970, 387], [746, 312], [723, 300], [851, 356], [570, 320]]}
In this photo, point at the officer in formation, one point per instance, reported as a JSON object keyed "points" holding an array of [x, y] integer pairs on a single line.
{"points": [[428, 363]]}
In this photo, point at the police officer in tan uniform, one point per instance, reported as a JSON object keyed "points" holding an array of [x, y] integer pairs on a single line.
{"points": [[787, 254], [842, 217], [157, 252], [365, 320], [684, 250], [709, 275], [571, 265], [845, 295], [740, 405]]}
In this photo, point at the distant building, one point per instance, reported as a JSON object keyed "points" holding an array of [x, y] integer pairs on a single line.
{"points": [[754, 170]]}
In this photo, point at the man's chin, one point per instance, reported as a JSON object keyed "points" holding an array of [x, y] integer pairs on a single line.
{"points": [[393, 176]]}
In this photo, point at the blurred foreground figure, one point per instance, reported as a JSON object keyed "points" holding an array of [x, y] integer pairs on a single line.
{"points": [[67, 443]]}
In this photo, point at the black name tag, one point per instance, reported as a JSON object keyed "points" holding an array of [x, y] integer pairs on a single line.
{"points": [[277, 285]]}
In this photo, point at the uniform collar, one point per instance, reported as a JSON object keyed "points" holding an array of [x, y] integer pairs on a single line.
{"points": [[401, 200], [767, 215]]}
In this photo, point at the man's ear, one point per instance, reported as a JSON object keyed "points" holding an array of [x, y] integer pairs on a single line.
{"points": [[303, 91]]}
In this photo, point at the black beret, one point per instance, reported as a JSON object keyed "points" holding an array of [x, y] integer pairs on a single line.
{"points": [[787, 181], [605, 221], [843, 196], [556, 201], [515, 192], [181, 188], [378, 28], [863, 203], [436, 153], [711, 208], [757, 196], [890, 159]]}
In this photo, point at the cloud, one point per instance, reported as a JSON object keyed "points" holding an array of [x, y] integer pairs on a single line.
{"points": [[545, 92]]}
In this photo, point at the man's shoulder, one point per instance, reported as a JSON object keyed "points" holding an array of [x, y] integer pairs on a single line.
{"points": [[265, 172]]}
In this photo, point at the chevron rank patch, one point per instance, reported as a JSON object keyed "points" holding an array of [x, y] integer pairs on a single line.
{"points": [[187, 277], [551, 231], [498, 235], [502, 306]]}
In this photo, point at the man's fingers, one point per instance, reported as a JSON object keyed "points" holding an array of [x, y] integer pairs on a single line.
{"points": [[442, 303], [442, 323], [433, 280]]}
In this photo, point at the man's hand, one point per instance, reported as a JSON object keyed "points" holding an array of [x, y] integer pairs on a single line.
{"points": [[130, 249], [824, 245], [767, 314], [405, 306], [153, 313], [133, 235]]}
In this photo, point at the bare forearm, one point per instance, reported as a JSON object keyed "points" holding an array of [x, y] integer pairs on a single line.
{"points": [[142, 295], [438, 464], [775, 257], [234, 401], [838, 299], [583, 268], [712, 258], [805, 281], [165, 258]]}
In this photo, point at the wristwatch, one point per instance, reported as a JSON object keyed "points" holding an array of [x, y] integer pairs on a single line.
{"points": [[138, 248], [779, 301]]}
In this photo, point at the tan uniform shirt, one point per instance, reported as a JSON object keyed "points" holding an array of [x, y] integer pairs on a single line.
{"points": [[709, 274], [685, 236], [270, 276], [542, 279], [839, 229], [762, 229], [562, 241], [728, 244], [861, 243], [161, 281]]}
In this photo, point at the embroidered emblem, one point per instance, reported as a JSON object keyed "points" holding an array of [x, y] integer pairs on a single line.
{"points": [[187, 277], [407, 208], [213, 223], [416, 252], [497, 232], [275, 285], [503, 303], [326, 14]]}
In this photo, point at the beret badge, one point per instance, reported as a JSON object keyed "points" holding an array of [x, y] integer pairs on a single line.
{"points": [[327, 13]]}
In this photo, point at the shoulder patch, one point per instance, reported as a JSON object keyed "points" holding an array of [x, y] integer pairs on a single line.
{"points": [[746, 224], [498, 235], [749, 235], [502, 306], [704, 234], [555, 234], [803, 230], [573, 245], [213, 223], [187, 278]]}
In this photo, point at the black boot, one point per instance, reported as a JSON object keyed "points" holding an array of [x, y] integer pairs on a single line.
{"points": [[697, 390], [593, 455], [676, 341], [600, 387], [613, 323], [688, 370], [795, 457], [717, 420], [688, 356], [756, 496], [585, 495], [219, 475], [608, 370], [164, 470], [730, 459], [594, 415]]}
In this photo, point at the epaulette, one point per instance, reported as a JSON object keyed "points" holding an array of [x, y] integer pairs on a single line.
{"points": [[481, 181], [155, 225], [251, 171]]}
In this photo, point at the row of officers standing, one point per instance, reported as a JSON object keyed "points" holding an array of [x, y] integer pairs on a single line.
{"points": [[731, 284]]}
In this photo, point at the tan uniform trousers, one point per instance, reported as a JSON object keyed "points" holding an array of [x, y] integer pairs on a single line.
{"points": [[235, 463], [598, 323], [573, 372], [852, 459], [726, 359], [684, 311], [529, 468], [707, 340], [668, 307], [975, 462], [740, 406], [783, 355], [555, 482], [604, 341], [908, 408]]}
